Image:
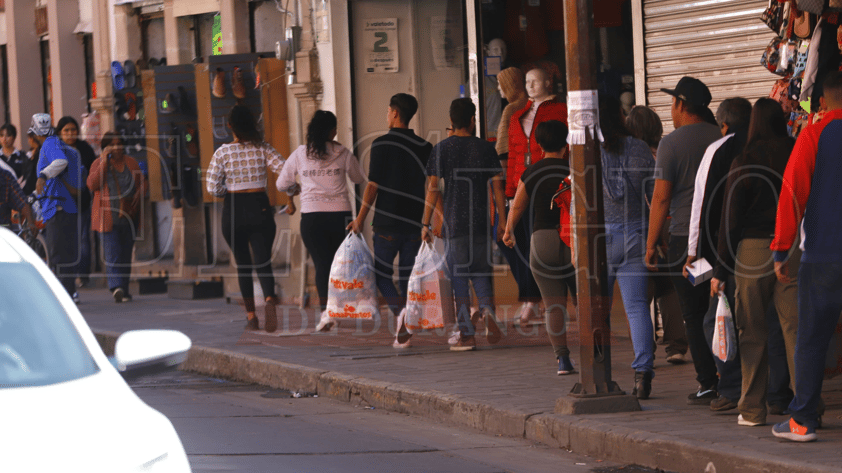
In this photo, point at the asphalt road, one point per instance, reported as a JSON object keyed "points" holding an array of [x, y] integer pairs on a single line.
{"points": [[228, 426]]}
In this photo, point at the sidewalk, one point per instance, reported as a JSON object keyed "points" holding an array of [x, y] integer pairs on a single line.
{"points": [[509, 389]]}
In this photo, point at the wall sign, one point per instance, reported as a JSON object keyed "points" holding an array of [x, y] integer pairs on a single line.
{"points": [[381, 42]]}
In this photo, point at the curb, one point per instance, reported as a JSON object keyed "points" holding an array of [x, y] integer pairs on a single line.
{"points": [[579, 434]]}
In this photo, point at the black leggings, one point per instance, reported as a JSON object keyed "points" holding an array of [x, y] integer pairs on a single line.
{"points": [[323, 233], [248, 226]]}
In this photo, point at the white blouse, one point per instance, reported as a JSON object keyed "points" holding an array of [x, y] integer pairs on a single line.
{"points": [[241, 166], [324, 182]]}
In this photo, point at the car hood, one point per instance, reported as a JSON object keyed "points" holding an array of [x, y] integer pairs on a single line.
{"points": [[93, 424]]}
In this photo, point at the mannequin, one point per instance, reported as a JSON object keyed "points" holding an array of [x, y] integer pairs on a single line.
{"points": [[523, 151], [493, 103], [627, 102]]}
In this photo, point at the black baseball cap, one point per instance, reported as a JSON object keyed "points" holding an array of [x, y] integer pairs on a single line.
{"points": [[691, 90]]}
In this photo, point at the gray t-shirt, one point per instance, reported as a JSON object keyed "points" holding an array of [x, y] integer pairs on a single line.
{"points": [[679, 156]]}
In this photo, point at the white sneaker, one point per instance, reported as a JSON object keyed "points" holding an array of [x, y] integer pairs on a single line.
{"points": [[747, 423], [325, 324], [455, 336]]}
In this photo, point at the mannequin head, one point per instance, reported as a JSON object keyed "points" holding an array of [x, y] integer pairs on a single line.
{"points": [[538, 85], [497, 47], [627, 102], [510, 84]]}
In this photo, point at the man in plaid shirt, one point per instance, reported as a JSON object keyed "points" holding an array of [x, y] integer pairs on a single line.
{"points": [[11, 198]]}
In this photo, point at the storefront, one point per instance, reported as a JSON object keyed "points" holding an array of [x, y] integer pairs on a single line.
{"points": [[443, 49]]}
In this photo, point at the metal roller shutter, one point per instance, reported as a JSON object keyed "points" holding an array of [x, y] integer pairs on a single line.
{"points": [[717, 41]]}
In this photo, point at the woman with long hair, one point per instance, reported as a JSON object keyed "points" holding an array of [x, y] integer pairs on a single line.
{"points": [[238, 173], [322, 167], [68, 131], [549, 257], [746, 230], [117, 183], [627, 169]]}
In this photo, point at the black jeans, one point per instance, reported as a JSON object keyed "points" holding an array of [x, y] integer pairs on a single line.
{"points": [[248, 226], [518, 259], [322, 234], [694, 305], [62, 235]]}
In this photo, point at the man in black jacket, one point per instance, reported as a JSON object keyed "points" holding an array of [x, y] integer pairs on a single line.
{"points": [[733, 117], [397, 176]]}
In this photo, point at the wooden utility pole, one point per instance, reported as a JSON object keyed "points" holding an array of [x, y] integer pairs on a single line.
{"points": [[588, 223]]}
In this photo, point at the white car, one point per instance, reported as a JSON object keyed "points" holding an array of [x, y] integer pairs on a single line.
{"points": [[64, 405]]}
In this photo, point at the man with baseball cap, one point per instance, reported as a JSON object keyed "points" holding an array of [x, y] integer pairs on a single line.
{"points": [[679, 156], [60, 177]]}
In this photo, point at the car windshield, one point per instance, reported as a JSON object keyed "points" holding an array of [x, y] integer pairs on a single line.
{"points": [[39, 345]]}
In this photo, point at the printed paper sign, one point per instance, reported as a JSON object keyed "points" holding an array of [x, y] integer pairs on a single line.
{"points": [[381, 41]]}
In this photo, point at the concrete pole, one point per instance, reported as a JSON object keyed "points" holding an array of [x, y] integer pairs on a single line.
{"points": [[235, 26], [24, 62], [588, 224]]}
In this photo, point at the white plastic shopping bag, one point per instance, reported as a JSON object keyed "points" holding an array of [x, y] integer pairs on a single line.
{"points": [[724, 334], [429, 300], [351, 291]]}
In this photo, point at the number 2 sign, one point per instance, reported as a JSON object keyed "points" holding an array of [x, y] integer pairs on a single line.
{"points": [[381, 43]]}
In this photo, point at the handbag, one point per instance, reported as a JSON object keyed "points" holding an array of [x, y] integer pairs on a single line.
{"points": [[803, 24], [815, 7], [772, 15], [771, 56]]}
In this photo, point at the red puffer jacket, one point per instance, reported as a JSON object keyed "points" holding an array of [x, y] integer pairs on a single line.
{"points": [[550, 109]]}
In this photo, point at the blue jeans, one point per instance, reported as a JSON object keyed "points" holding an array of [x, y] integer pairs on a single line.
{"points": [[468, 261], [624, 248], [730, 372], [117, 251], [819, 305], [388, 245]]}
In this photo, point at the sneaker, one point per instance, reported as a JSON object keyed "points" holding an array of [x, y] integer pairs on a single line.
{"points": [[492, 328], [702, 397], [76, 298], [722, 403], [252, 324], [271, 315], [127, 298], [742, 421], [325, 324], [792, 430], [468, 343], [454, 337], [565, 366], [402, 335], [118, 294], [677, 359]]}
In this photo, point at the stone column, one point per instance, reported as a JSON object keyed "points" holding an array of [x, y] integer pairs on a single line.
{"points": [[103, 103], [177, 36], [24, 62], [235, 26], [67, 59]]}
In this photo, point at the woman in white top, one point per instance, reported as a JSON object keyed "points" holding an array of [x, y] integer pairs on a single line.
{"points": [[238, 172], [323, 167]]}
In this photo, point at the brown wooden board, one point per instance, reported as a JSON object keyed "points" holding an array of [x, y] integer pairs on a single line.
{"points": [[153, 149], [213, 111], [275, 117]]}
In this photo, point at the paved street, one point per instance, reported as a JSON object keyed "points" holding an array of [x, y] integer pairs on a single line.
{"points": [[228, 426], [510, 389]]}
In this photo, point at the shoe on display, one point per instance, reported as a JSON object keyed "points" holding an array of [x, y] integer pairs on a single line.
{"points": [[238, 88], [218, 88]]}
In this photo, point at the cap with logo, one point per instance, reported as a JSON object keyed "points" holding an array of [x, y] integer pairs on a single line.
{"points": [[691, 90], [42, 124]]}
